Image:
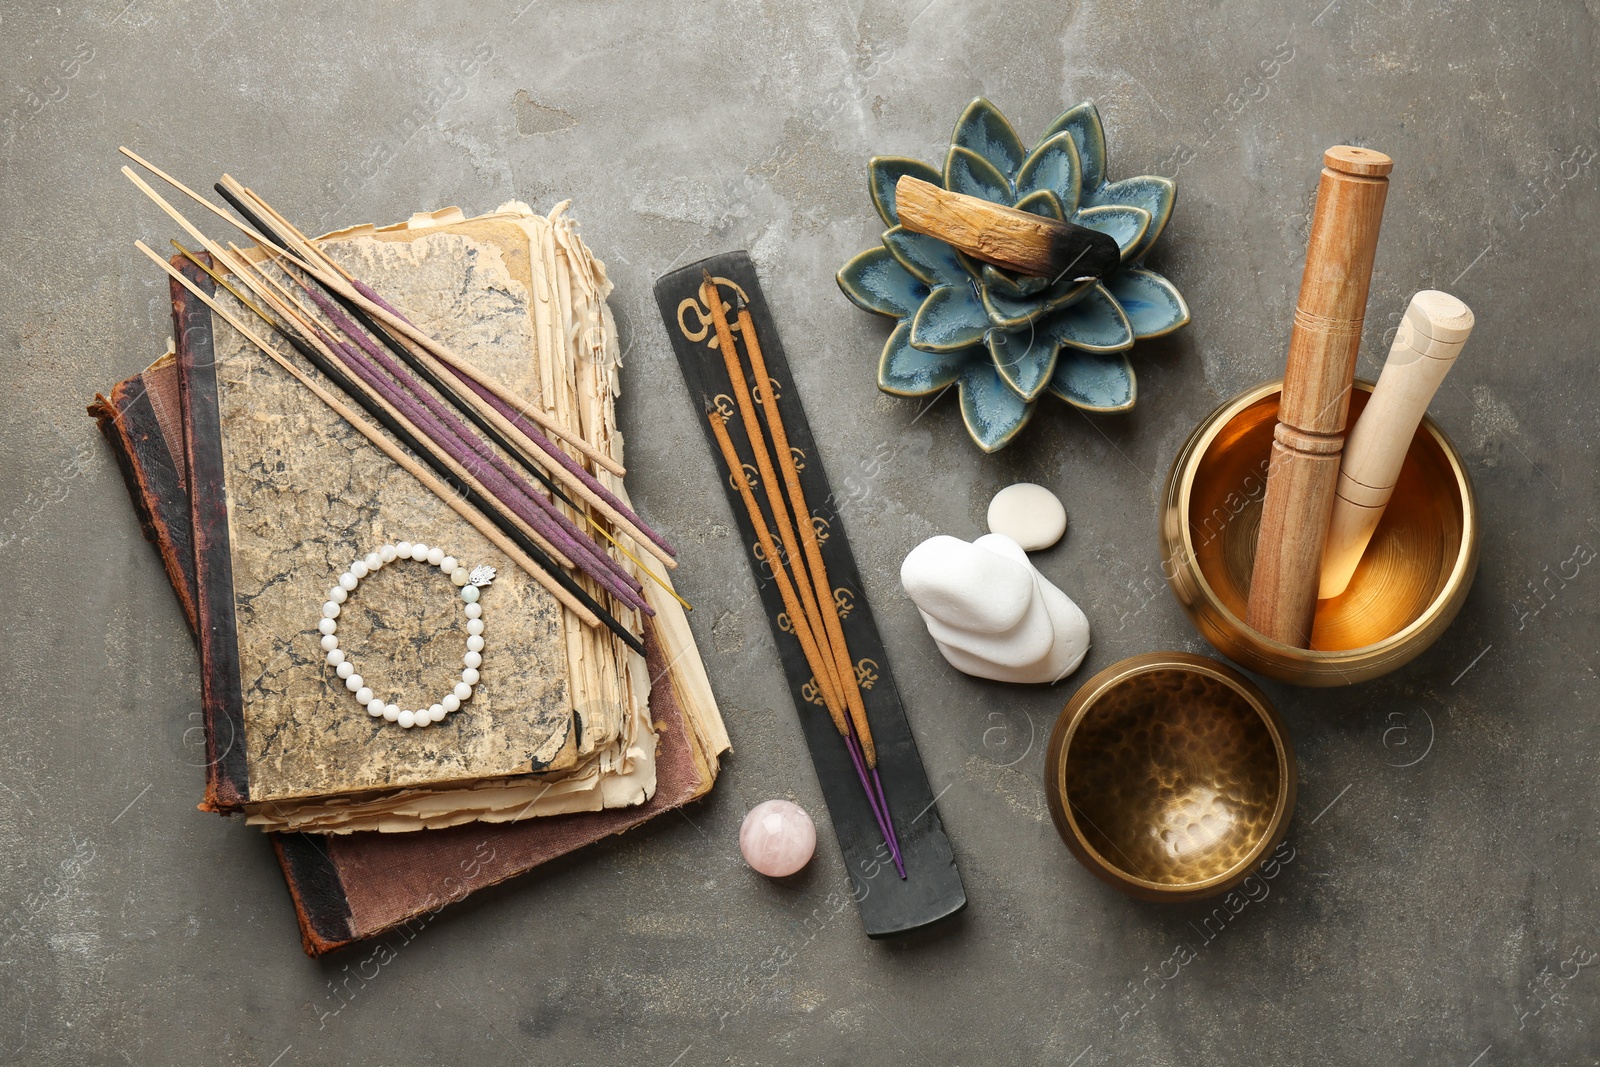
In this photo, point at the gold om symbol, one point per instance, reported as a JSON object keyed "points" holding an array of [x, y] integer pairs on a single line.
{"points": [[784, 624], [702, 315], [866, 673], [845, 601], [749, 477], [821, 525], [777, 394], [799, 456], [811, 692], [724, 405]]}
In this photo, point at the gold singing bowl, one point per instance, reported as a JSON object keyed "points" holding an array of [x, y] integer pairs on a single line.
{"points": [[1170, 776], [1409, 585]]}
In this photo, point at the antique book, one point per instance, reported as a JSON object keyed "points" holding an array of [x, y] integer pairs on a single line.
{"points": [[358, 884], [285, 494]]}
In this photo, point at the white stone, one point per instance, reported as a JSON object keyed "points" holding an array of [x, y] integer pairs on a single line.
{"points": [[354, 683], [338, 594], [435, 556], [470, 675], [329, 642], [473, 659], [408, 719], [359, 568], [474, 611], [349, 581], [470, 594], [450, 703], [991, 612], [437, 713], [462, 691], [402, 550], [388, 553], [326, 625], [391, 712], [475, 643], [474, 626], [419, 551], [336, 659], [448, 564], [460, 576], [373, 561], [330, 610], [364, 696], [1029, 514], [375, 708]]}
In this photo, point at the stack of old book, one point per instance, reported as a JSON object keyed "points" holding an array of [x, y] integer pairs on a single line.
{"points": [[257, 496]]}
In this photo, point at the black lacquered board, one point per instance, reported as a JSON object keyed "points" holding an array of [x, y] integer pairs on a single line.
{"points": [[932, 888]]}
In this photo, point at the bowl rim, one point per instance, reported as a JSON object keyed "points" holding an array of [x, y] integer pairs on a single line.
{"points": [[1087, 696], [1199, 444]]}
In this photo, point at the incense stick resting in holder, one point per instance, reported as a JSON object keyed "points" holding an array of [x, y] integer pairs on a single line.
{"points": [[1309, 436]]}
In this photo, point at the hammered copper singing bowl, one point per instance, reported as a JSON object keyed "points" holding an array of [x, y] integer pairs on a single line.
{"points": [[1409, 585], [1170, 776]]}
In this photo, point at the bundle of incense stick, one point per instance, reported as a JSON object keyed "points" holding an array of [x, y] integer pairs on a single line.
{"points": [[425, 396], [798, 568]]}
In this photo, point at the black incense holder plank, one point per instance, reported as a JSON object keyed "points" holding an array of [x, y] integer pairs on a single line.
{"points": [[932, 888]]}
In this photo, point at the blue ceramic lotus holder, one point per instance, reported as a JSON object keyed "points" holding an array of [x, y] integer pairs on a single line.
{"points": [[1005, 339]]}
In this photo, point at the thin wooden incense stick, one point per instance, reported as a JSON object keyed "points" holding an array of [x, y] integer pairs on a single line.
{"points": [[808, 534], [457, 478], [224, 257], [769, 479], [389, 448], [802, 630]]}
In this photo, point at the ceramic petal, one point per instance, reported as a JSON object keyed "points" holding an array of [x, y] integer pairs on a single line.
{"points": [[907, 371], [951, 318], [1153, 305], [1095, 381], [882, 174], [1083, 123], [1095, 323], [929, 258], [993, 413], [1154, 194], [875, 281], [1025, 360], [1054, 165], [1044, 203], [982, 129], [967, 172], [1125, 224], [1011, 313], [1015, 286]]}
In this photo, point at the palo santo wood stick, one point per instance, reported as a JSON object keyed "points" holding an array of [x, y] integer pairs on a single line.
{"points": [[389, 448], [1016, 240], [844, 664], [1316, 394], [1435, 327]]}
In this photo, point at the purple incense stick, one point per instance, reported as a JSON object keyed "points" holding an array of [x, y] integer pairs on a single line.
{"points": [[881, 815]]}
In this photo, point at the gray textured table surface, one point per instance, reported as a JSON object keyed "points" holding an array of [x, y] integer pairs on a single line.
{"points": [[1444, 870]]}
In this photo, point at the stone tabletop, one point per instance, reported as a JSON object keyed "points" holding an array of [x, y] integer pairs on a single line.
{"points": [[1435, 901]]}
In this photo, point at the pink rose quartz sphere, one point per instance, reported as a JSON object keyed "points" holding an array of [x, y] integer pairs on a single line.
{"points": [[777, 838]]}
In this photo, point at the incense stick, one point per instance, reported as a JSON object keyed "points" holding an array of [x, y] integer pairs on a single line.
{"points": [[393, 451], [808, 533], [535, 547]]}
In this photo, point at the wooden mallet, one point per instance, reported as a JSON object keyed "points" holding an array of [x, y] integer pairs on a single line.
{"points": [[1309, 437], [1015, 240], [1435, 327]]}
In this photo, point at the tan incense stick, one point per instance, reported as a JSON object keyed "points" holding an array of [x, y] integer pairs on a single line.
{"points": [[389, 448], [844, 663]]}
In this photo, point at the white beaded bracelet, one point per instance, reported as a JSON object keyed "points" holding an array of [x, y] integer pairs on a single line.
{"points": [[470, 584]]}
